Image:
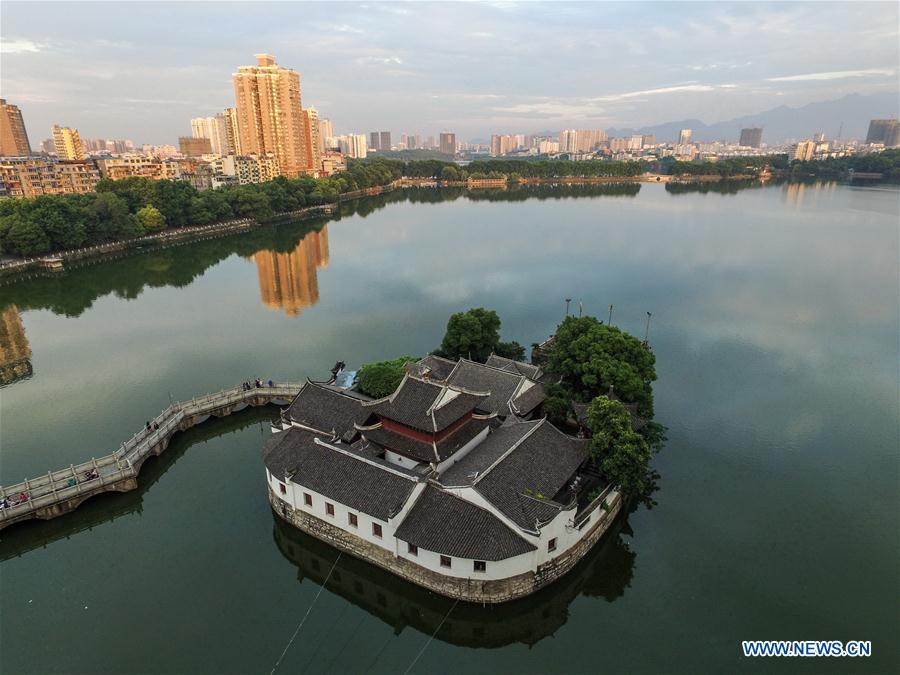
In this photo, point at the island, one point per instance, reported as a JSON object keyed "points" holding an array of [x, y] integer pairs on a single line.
{"points": [[456, 480]]}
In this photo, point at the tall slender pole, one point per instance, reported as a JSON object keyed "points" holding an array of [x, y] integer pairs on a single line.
{"points": [[580, 308], [609, 321], [647, 332], [568, 300]]}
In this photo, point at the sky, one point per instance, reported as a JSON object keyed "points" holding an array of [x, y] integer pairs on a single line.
{"points": [[142, 70]]}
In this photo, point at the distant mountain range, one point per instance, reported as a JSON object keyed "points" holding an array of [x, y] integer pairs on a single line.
{"points": [[782, 123]]}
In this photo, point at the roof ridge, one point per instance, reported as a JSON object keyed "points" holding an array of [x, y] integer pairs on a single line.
{"points": [[506, 454], [319, 441]]}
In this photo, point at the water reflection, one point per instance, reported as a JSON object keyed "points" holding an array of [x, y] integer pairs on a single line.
{"points": [[19, 539], [289, 281], [606, 572], [15, 352]]}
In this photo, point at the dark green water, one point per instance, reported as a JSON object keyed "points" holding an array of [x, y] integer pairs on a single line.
{"points": [[775, 325]]}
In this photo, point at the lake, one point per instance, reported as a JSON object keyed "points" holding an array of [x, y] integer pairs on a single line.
{"points": [[775, 328]]}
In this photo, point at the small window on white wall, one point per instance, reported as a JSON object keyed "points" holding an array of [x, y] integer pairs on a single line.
{"points": [[445, 561], [551, 545], [480, 566], [282, 488]]}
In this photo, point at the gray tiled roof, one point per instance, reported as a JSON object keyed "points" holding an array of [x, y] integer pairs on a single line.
{"points": [[527, 399], [501, 439], [523, 484], [414, 398], [446, 524], [353, 482], [520, 367], [424, 451], [326, 408], [502, 385], [435, 367]]}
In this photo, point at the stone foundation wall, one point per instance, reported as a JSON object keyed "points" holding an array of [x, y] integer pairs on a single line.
{"points": [[470, 590]]}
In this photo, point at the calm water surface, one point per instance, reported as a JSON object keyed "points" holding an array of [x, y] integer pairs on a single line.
{"points": [[775, 325]]}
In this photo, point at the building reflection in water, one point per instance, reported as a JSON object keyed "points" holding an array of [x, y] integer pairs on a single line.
{"points": [[15, 352], [605, 572], [289, 281]]}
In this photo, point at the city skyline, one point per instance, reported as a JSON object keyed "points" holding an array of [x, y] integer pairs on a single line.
{"points": [[452, 76]]}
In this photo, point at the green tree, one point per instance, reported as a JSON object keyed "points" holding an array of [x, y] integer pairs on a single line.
{"points": [[26, 237], [382, 378], [624, 455], [151, 219], [590, 357], [106, 217], [557, 404], [510, 350], [473, 334]]}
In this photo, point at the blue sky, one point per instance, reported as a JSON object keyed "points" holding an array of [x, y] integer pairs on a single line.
{"points": [[142, 70]]}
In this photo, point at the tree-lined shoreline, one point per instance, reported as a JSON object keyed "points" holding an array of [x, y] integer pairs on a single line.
{"points": [[134, 207]]}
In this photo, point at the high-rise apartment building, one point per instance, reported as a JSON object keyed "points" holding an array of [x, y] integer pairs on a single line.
{"points": [[68, 143], [384, 141], [648, 140], [311, 139], [448, 143], [232, 138], [684, 136], [353, 145], [884, 131], [502, 144], [581, 140], [270, 117], [374, 141], [804, 150], [751, 138], [13, 138], [326, 131], [215, 129]]}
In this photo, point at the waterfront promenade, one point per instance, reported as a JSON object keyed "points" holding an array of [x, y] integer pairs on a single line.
{"points": [[59, 492]]}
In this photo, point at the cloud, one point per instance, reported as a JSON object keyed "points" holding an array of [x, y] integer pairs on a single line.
{"points": [[345, 28], [832, 75], [18, 47], [678, 88], [379, 60]]}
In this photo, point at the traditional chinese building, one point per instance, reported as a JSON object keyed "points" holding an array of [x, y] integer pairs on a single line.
{"points": [[453, 481]]}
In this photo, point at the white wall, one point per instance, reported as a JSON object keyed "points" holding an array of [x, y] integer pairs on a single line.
{"points": [[561, 528]]}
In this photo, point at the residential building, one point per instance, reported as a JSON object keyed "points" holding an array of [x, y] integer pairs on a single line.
{"points": [[374, 141], [635, 142], [684, 137], [804, 150], [751, 138], [884, 131], [116, 168], [448, 143], [384, 141], [353, 145], [215, 128], [77, 177], [68, 143], [648, 140], [13, 137], [548, 147], [503, 145], [34, 176], [270, 117], [326, 131], [332, 163], [311, 140], [232, 136], [194, 146], [456, 481]]}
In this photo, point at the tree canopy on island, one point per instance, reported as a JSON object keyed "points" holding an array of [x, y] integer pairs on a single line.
{"points": [[382, 378], [624, 455], [590, 357], [474, 335]]}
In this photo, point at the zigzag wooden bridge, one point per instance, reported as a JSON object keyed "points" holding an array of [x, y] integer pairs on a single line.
{"points": [[62, 491]]}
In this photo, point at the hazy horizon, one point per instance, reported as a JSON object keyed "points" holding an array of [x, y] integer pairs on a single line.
{"points": [[143, 70]]}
